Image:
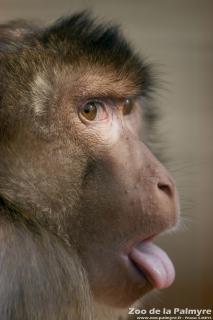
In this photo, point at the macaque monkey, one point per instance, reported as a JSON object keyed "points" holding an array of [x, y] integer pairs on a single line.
{"points": [[81, 195]]}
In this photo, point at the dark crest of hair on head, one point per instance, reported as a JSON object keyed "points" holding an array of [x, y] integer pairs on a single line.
{"points": [[98, 43]]}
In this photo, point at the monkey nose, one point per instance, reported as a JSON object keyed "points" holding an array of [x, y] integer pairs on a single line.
{"points": [[166, 186], [168, 197]]}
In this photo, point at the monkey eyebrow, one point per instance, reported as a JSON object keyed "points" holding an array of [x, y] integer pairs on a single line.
{"points": [[107, 96], [117, 90]]}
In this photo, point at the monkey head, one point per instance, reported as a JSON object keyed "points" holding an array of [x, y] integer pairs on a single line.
{"points": [[73, 153]]}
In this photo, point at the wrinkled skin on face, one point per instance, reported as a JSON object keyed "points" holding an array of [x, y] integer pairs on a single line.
{"points": [[74, 160]]}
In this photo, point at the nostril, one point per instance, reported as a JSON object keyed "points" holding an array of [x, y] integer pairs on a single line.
{"points": [[166, 188]]}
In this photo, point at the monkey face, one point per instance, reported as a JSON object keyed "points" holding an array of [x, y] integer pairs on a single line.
{"points": [[73, 159], [127, 199]]}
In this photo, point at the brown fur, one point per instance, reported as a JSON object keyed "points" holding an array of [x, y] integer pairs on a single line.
{"points": [[72, 195]]}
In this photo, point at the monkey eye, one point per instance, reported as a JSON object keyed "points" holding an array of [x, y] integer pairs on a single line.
{"points": [[128, 106], [93, 111]]}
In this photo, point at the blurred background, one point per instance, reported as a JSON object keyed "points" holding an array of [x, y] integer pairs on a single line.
{"points": [[177, 36]]}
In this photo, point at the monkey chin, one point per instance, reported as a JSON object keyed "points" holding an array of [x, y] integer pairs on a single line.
{"points": [[141, 267]]}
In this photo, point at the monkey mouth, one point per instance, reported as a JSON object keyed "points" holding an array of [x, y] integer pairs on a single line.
{"points": [[153, 263]]}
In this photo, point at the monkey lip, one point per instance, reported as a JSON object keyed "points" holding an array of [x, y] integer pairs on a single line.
{"points": [[153, 263]]}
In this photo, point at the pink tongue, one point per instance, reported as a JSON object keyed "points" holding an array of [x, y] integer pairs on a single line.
{"points": [[154, 263]]}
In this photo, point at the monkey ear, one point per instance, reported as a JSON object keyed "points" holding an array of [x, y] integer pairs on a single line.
{"points": [[14, 34]]}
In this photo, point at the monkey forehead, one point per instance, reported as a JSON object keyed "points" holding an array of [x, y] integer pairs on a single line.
{"points": [[94, 81]]}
